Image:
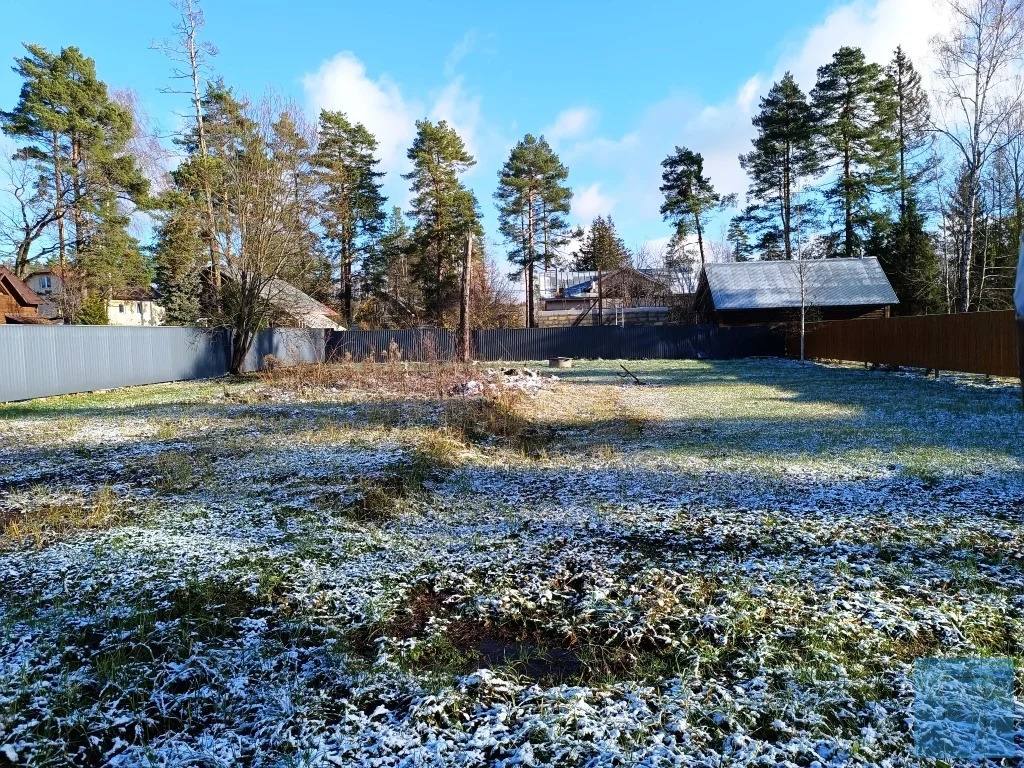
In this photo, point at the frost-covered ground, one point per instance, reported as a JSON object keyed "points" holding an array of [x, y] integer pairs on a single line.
{"points": [[736, 564]]}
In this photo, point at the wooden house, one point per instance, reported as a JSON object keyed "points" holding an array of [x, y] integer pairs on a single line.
{"points": [[19, 305]]}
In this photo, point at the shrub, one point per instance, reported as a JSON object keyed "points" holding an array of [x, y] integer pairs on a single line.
{"points": [[93, 311]]}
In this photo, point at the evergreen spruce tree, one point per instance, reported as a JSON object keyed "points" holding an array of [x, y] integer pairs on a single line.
{"points": [[532, 201], [444, 213], [352, 206], [783, 156], [290, 145], [911, 129], [907, 254], [738, 238], [93, 311], [180, 252], [396, 299], [853, 108], [601, 247], [689, 195]]}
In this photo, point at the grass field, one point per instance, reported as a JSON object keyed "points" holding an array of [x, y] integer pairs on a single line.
{"points": [[736, 563]]}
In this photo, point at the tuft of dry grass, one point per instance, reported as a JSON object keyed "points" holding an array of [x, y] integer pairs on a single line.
{"points": [[391, 376], [50, 520]]}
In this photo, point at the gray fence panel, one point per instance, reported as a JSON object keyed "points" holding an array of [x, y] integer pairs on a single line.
{"points": [[417, 344], [39, 361], [291, 346], [681, 342]]}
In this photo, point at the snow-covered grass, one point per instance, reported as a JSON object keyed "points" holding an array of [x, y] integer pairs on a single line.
{"points": [[734, 564]]}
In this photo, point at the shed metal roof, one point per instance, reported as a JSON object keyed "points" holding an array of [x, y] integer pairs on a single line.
{"points": [[776, 284]]}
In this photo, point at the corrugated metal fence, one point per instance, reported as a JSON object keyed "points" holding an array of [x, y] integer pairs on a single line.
{"points": [[416, 344], [39, 361], [693, 342], [975, 342]]}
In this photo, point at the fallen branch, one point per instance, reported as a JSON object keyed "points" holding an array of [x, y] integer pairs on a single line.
{"points": [[633, 375]]}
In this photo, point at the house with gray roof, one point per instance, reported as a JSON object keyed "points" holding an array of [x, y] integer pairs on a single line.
{"points": [[755, 292], [289, 306]]}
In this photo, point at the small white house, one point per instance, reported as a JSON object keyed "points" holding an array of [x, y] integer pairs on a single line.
{"points": [[130, 306], [47, 284], [134, 306]]}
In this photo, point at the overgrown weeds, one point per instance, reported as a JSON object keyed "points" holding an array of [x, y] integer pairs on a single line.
{"points": [[48, 519], [391, 376], [179, 471], [497, 417], [378, 499]]}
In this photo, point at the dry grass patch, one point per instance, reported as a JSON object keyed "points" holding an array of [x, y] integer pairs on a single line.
{"points": [[390, 377], [47, 520]]}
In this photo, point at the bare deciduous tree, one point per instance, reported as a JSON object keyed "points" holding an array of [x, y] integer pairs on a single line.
{"points": [[191, 56], [265, 230], [979, 92], [30, 213]]}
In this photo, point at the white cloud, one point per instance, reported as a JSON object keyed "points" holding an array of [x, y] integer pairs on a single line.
{"points": [[591, 202], [465, 46], [629, 165], [342, 83], [570, 123]]}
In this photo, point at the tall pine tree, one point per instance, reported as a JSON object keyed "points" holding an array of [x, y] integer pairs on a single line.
{"points": [[352, 205], [911, 129], [853, 107], [67, 123], [783, 157], [532, 201], [444, 213], [690, 196]]}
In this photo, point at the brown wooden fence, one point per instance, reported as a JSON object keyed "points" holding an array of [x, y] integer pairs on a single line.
{"points": [[976, 342]]}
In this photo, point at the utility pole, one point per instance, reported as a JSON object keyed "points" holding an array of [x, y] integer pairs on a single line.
{"points": [[467, 271]]}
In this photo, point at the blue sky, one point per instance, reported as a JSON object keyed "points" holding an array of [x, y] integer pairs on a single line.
{"points": [[613, 85]]}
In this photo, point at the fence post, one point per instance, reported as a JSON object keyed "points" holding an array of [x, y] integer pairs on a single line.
{"points": [[1020, 354], [467, 270]]}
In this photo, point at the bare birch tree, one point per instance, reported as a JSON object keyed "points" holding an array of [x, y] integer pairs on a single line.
{"points": [[979, 91], [191, 56]]}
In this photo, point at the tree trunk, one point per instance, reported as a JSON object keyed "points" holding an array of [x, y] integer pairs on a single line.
{"points": [[700, 241], [848, 200], [467, 267], [346, 282], [964, 288], [530, 256], [600, 295], [58, 188], [76, 185], [803, 313], [241, 341], [211, 219], [787, 208], [531, 307]]}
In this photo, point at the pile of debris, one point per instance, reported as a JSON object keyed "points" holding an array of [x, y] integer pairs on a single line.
{"points": [[492, 381]]}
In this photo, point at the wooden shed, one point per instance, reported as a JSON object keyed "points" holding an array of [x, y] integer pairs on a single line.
{"points": [[758, 292], [18, 303]]}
